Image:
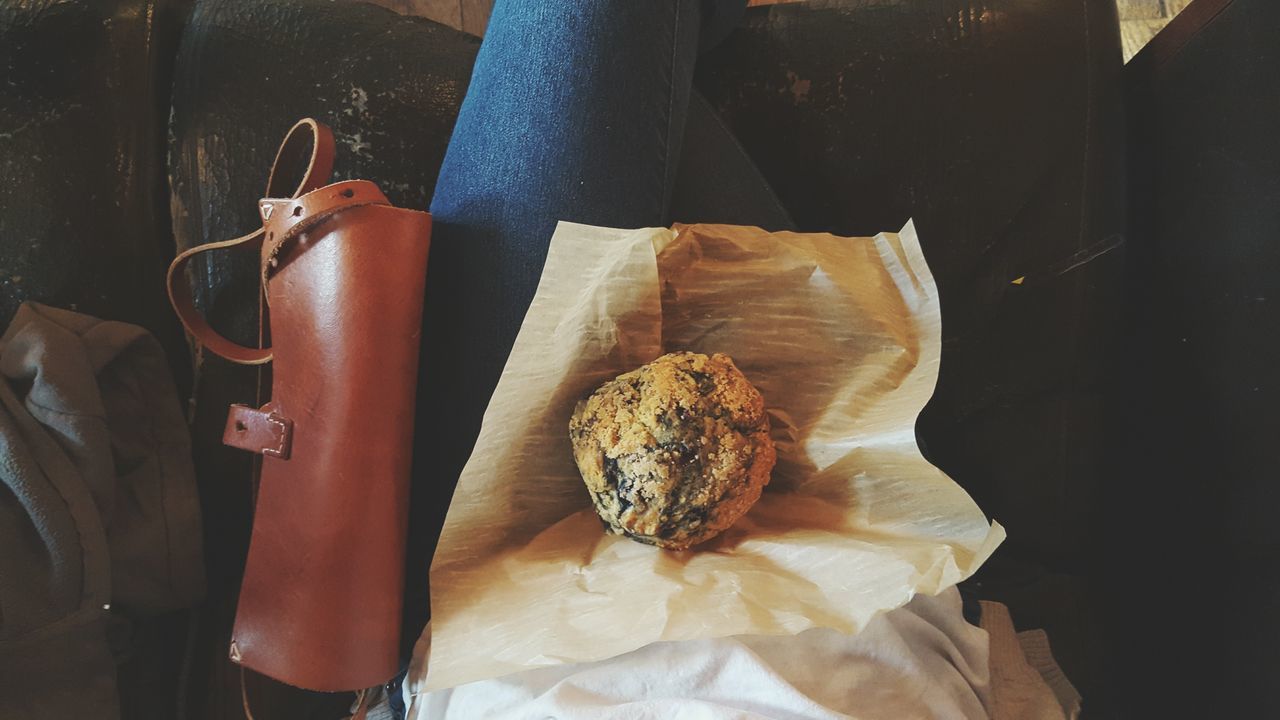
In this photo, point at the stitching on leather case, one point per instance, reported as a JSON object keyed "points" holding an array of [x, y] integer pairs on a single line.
{"points": [[283, 425]]}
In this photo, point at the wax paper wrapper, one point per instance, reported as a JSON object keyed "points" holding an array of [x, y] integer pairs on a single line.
{"points": [[841, 336]]}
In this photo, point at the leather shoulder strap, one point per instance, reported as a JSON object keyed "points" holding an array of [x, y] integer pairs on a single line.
{"points": [[193, 321], [360, 708], [307, 150]]}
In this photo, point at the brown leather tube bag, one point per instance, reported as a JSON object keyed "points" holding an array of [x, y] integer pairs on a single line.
{"points": [[342, 277]]}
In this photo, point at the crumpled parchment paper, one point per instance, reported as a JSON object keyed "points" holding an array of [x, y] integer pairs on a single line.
{"points": [[841, 336]]}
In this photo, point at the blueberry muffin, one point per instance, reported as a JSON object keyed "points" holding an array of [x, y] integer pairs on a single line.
{"points": [[674, 452]]}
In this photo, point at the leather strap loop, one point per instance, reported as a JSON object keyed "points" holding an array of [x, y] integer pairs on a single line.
{"points": [[315, 173], [262, 431], [307, 132]]}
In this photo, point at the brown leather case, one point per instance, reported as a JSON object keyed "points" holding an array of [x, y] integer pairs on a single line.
{"points": [[343, 276]]}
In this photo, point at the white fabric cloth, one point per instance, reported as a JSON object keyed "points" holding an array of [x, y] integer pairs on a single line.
{"points": [[919, 661], [1026, 682]]}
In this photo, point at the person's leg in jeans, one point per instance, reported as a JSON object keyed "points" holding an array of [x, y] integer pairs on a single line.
{"points": [[576, 111]]}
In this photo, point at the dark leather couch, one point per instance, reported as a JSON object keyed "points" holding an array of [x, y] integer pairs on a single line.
{"points": [[998, 127], [1196, 482], [1103, 332]]}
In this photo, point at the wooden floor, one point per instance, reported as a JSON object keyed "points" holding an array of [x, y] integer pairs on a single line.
{"points": [[1140, 20], [467, 15]]}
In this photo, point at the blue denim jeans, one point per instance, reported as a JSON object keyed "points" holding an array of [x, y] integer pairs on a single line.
{"points": [[578, 110]]}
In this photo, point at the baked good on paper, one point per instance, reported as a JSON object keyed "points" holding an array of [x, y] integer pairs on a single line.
{"points": [[675, 451]]}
